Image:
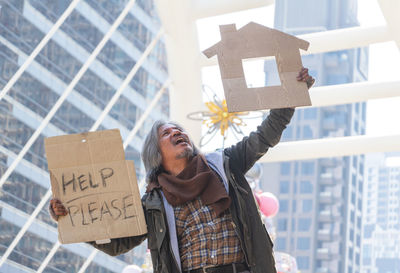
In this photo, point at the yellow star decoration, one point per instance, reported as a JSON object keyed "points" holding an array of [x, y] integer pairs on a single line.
{"points": [[220, 116]]}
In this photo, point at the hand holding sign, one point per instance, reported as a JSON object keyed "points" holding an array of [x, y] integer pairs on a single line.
{"points": [[305, 77], [57, 209]]}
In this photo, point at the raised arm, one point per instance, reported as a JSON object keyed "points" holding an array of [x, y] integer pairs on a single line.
{"points": [[246, 152]]}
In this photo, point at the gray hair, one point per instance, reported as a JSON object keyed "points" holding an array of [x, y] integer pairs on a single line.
{"points": [[151, 152]]}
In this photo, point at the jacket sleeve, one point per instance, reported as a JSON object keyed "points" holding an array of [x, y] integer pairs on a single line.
{"points": [[247, 151], [120, 245]]}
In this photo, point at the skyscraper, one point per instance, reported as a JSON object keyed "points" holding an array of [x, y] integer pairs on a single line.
{"points": [[320, 215], [23, 24], [381, 236]]}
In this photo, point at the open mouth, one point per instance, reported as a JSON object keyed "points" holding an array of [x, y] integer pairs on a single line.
{"points": [[180, 140]]}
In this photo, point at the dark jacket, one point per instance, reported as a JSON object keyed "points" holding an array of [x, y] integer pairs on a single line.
{"points": [[236, 160]]}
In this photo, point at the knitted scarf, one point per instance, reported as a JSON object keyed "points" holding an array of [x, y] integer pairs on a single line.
{"points": [[197, 179]]}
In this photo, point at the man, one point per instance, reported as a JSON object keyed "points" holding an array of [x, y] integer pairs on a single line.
{"points": [[200, 212]]}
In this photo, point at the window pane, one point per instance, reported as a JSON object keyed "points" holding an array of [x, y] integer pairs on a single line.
{"points": [[307, 132], [307, 205], [304, 224], [306, 187], [303, 262], [284, 187], [310, 113], [285, 168], [283, 205], [307, 168], [280, 243], [303, 243], [282, 224]]}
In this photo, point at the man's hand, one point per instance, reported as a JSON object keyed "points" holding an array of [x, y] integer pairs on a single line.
{"points": [[304, 77], [57, 208]]}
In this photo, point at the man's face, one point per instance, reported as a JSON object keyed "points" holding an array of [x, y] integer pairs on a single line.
{"points": [[174, 143]]}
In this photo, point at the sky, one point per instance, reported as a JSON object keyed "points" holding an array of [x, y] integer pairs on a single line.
{"points": [[384, 62]]}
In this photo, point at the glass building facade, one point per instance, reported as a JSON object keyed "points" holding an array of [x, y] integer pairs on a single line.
{"points": [[23, 23], [320, 216]]}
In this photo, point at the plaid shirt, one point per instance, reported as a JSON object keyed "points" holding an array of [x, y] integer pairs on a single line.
{"points": [[205, 239]]}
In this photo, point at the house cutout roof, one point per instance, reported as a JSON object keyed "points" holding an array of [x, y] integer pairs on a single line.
{"points": [[254, 41]]}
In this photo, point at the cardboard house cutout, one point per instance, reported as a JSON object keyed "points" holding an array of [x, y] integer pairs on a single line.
{"points": [[255, 41], [97, 186]]}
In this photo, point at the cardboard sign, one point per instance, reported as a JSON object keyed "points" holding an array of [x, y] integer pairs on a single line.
{"points": [[98, 187], [255, 41]]}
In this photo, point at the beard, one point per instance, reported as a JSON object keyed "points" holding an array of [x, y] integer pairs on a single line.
{"points": [[186, 153]]}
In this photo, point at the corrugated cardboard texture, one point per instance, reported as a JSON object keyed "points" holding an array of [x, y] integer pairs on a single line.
{"points": [[255, 41], [98, 187]]}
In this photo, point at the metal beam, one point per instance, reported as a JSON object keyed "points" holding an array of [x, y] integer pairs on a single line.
{"points": [[50, 255], [333, 40], [88, 261], [353, 92], [345, 38], [208, 8], [391, 11], [331, 147]]}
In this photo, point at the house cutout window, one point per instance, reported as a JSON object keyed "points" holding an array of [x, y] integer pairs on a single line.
{"points": [[254, 72], [272, 77]]}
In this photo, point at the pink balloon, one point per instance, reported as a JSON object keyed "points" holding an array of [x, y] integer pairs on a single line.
{"points": [[269, 204]]}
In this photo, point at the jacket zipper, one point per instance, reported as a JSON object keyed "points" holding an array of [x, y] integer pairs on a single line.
{"points": [[173, 256], [233, 223], [241, 243]]}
